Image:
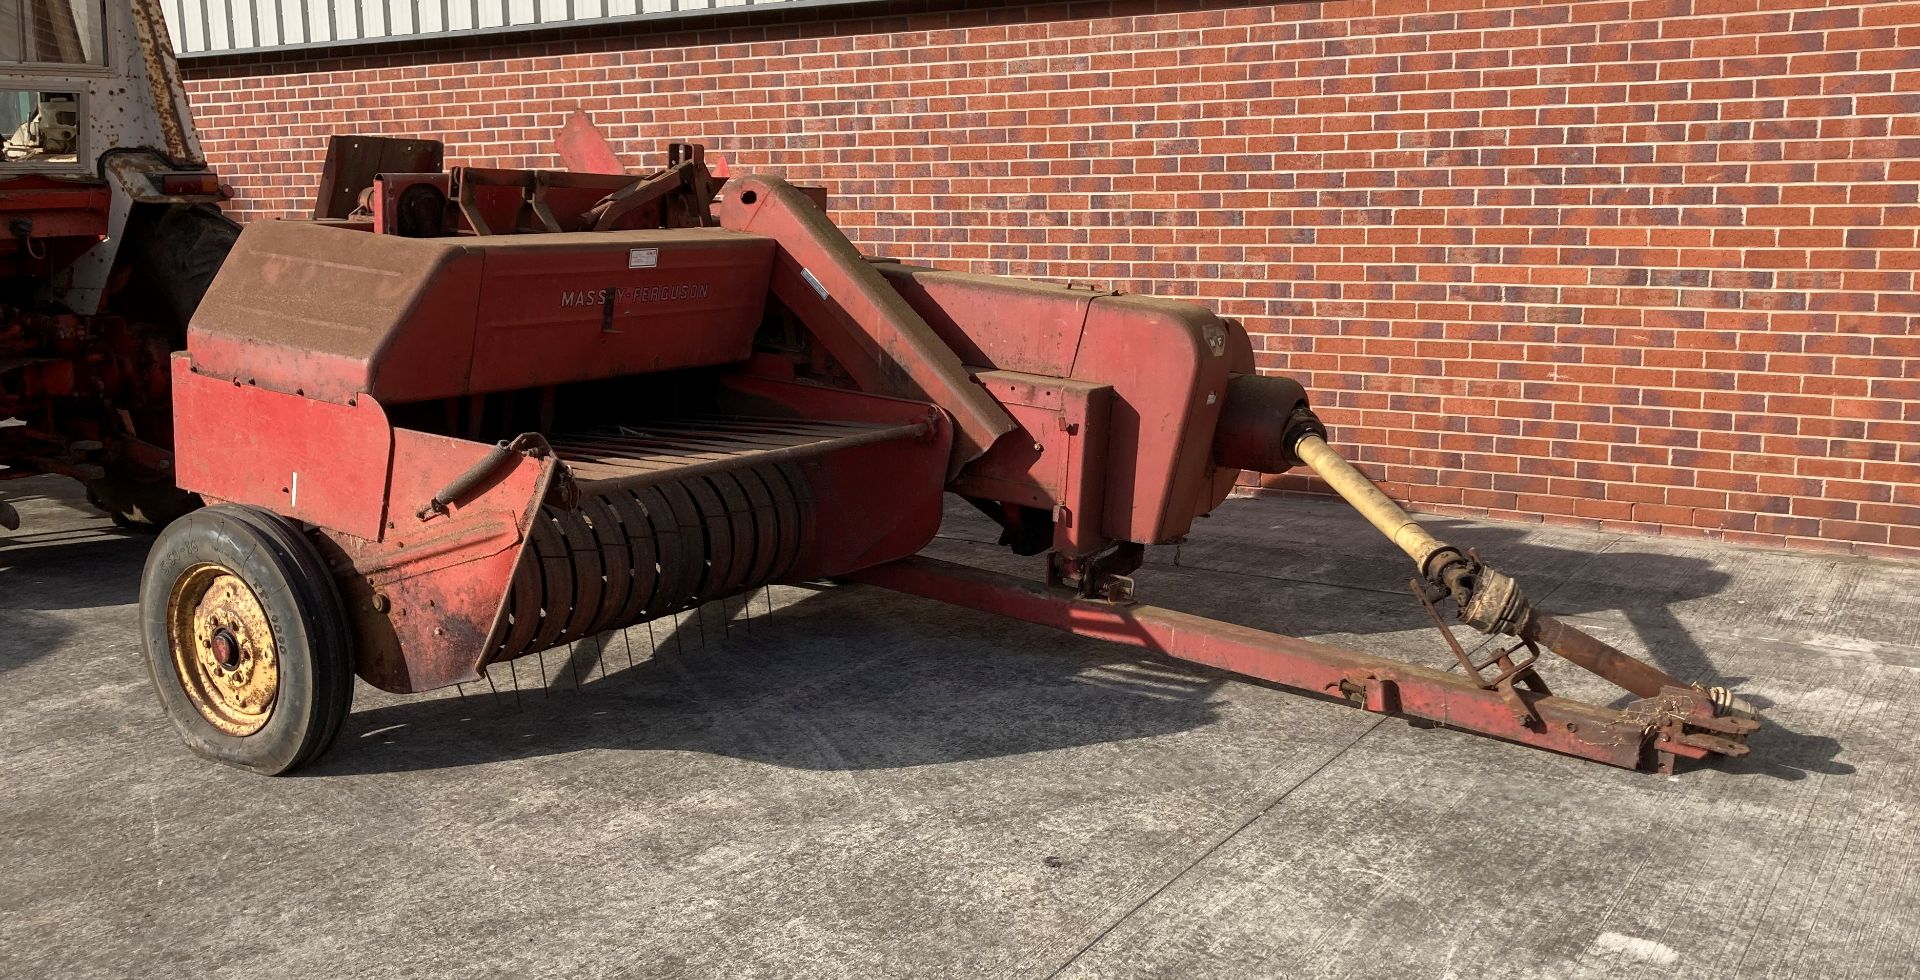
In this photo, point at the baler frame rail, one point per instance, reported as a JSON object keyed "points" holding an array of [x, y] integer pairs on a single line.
{"points": [[1651, 733]]}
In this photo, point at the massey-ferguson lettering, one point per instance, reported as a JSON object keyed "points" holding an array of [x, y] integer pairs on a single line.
{"points": [[634, 294]]}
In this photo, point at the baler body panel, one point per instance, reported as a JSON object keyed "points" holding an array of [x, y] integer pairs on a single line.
{"points": [[1167, 363], [330, 312], [322, 462]]}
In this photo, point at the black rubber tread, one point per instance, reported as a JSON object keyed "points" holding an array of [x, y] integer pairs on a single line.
{"points": [[333, 613], [304, 611]]}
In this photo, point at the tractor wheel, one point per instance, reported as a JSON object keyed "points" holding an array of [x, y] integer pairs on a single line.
{"points": [[246, 639]]}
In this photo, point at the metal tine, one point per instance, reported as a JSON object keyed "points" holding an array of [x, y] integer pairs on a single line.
{"points": [[513, 672], [702, 440], [573, 664], [491, 686], [750, 426], [544, 686], [627, 641]]}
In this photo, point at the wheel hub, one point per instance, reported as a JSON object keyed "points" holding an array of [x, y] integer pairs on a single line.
{"points": [[223, 649]]}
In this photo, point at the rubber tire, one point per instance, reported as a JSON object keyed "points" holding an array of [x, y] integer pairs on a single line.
{"points": [[304, 611]]}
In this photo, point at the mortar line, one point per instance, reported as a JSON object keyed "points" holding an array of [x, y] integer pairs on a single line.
{"points": [[1211, 851]]}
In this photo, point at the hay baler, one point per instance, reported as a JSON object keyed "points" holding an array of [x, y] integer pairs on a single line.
{"points": [[503, 411]]}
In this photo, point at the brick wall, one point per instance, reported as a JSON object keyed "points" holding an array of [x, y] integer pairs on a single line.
{"points": [[1641, 265]]}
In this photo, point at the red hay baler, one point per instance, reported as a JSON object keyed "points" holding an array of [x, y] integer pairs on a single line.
{"points": [[501, 411]]}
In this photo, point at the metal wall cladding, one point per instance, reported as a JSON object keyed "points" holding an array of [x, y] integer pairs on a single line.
{"points": [[211, 27]]}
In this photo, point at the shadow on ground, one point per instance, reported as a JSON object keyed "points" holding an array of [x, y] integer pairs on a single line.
{"points": [[912, 682], [844, 679], [56, 563]]}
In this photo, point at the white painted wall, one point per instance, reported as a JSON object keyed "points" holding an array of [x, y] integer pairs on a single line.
{"points": [[207, 27]]}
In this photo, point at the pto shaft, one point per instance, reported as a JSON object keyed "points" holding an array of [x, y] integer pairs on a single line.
{"points": [[1379, 509], [1489, 601]]}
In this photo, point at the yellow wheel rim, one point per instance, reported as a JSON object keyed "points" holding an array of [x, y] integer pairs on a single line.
{"points": [[223, 651]]}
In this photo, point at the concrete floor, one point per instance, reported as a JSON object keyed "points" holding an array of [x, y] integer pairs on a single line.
{"points": [[867, 785]]}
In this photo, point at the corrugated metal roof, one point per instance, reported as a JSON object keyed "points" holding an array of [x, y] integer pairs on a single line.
{"points": [[213, 27]]}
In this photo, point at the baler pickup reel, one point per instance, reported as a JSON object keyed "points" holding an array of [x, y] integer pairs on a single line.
{"points": [[519, 410]]}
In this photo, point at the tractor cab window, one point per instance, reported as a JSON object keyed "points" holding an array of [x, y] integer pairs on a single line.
{"points": [[39, 127], [52, 32]]}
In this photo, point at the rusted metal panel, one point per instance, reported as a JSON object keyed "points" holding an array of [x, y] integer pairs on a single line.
{"points": [[167, 99], [314, 309], [353, 161], [428, 603], [333, 312], [322, 462], [556, 308]]}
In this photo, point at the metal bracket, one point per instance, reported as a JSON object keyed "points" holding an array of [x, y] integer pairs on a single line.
{"points": [[1510, 669]]}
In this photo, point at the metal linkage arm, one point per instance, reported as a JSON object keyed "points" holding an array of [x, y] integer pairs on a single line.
{"points": [[871, 331]]}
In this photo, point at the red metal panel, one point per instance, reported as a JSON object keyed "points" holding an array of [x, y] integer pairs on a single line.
{"points": [[583, 149], [428, 604], [321, 462], [1167, 361], [1056, 459], [559, 308], [995, 322]]}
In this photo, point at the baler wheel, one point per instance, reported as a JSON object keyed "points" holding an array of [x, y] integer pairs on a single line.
{"points": [[246, 639]]}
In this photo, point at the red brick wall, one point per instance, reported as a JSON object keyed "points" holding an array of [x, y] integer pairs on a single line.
{"points": [[1640, 265]]}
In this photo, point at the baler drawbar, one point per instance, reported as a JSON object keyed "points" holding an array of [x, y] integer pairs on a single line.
{"points": [[499, 411]]}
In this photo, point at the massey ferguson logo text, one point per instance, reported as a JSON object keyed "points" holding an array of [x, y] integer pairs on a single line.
{"points": [[634, 294]]}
